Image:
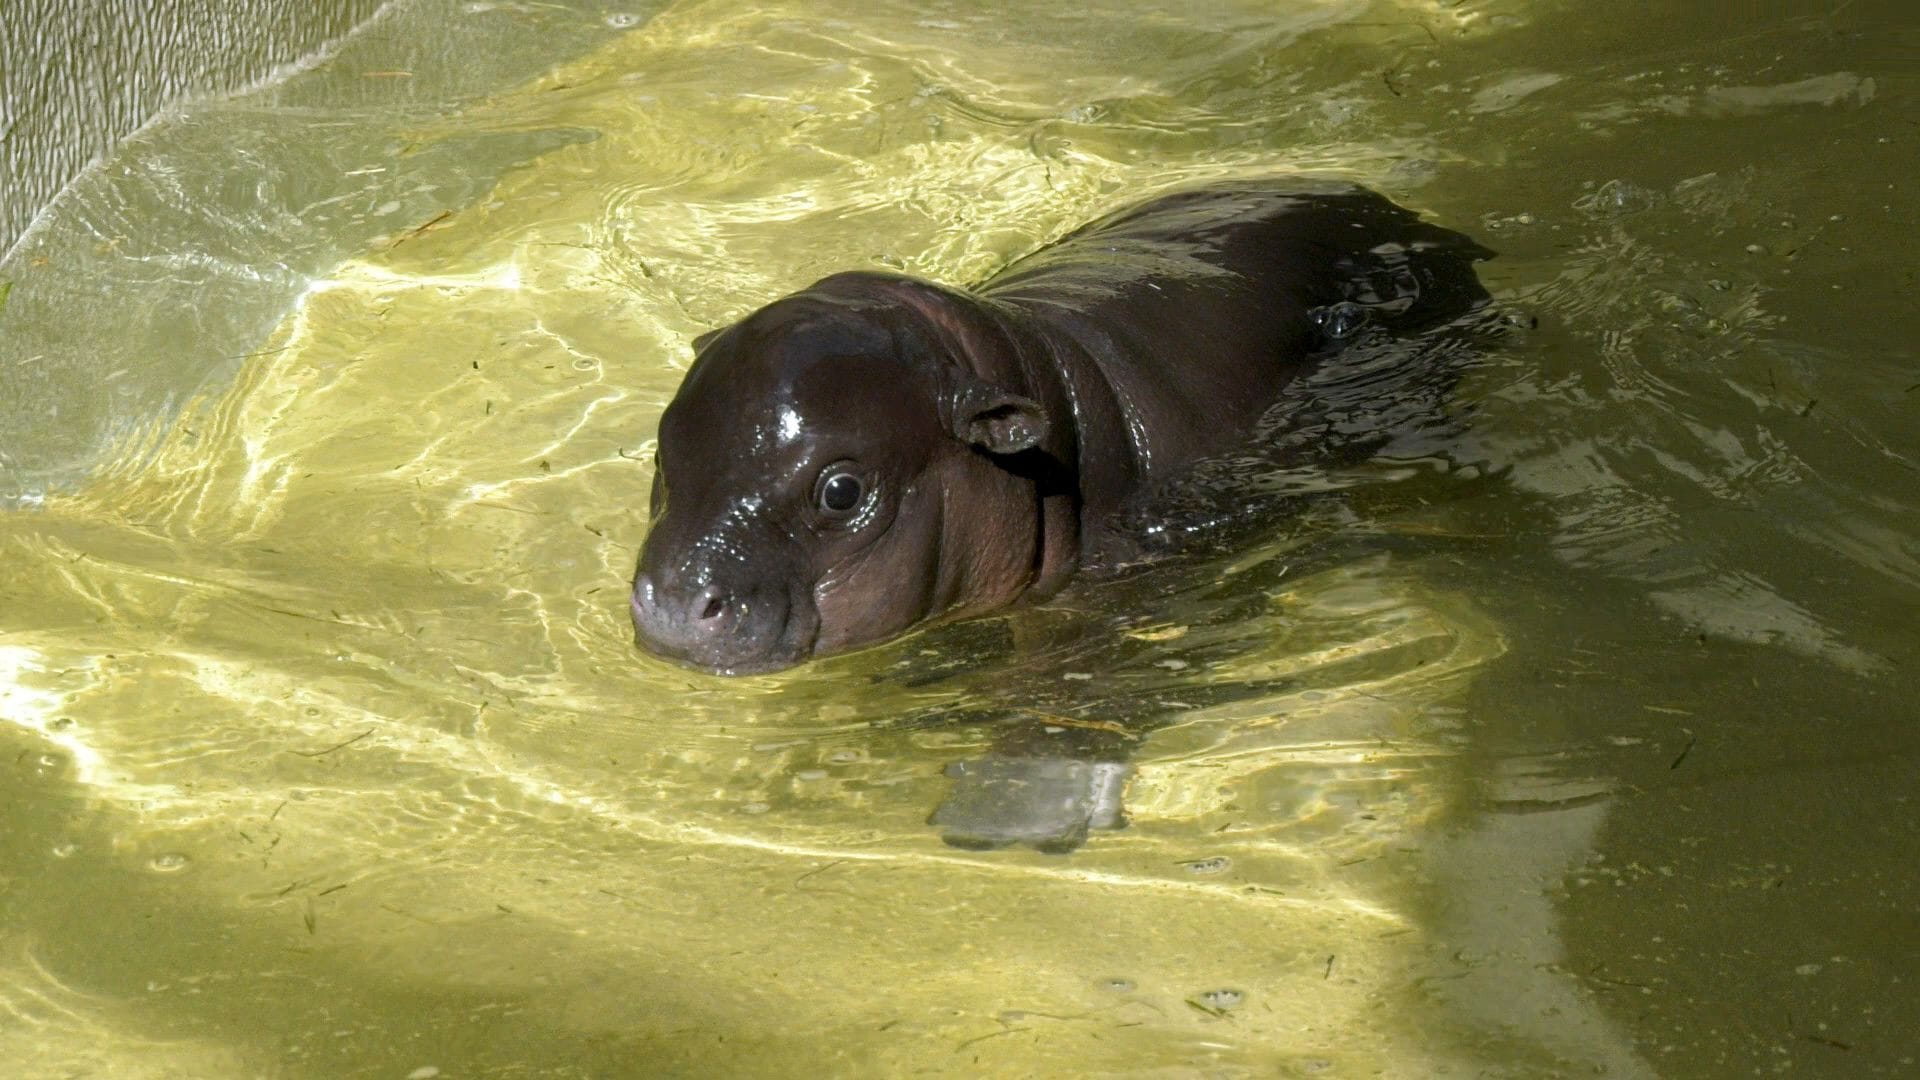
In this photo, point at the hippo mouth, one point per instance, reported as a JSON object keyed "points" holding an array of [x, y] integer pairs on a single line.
{"points": [[712, 631]]}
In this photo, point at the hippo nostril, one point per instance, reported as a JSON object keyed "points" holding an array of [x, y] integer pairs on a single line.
{"points": [[708, 604]]}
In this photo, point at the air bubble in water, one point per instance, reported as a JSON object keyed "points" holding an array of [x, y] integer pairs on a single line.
{"points": [[1616, 198], [1342, 320], [1221, 999]]}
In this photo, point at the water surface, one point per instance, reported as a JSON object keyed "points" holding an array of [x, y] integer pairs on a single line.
{"points": [[1582, 743]]}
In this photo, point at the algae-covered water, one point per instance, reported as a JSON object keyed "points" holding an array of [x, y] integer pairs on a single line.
{"points": [[1583, 743]]}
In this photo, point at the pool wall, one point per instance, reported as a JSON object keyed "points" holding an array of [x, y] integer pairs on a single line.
{"points": [[78, 75]]}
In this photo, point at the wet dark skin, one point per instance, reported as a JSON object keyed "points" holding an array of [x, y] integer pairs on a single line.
{"points": [[876, 452]]}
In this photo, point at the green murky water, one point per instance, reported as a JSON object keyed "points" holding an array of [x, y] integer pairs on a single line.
{"points": [[1585, 745]]}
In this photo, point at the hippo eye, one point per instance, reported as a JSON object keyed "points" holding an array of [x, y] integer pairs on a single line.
{"points": [[839, 492]]}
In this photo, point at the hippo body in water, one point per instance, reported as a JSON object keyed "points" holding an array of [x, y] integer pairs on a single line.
{"points": [[877, 452]]}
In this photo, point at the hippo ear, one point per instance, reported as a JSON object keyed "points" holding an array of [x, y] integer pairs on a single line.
{"points": [[993, 419], [703, 340]]}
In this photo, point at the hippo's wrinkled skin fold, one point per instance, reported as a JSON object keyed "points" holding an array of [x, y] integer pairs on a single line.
{"points": [[876, 452]]}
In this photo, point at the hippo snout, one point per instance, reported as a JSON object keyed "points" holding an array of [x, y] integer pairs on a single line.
{"points": [[701, 613], [705, 626]]}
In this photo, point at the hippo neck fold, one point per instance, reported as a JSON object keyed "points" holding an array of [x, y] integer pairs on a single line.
{"points": [[998, 345]]}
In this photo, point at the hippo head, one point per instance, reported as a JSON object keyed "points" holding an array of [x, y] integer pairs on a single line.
{"points": [[831, 474]]}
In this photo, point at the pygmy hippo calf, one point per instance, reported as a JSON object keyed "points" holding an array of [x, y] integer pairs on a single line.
{"points": [[876, 452]]}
